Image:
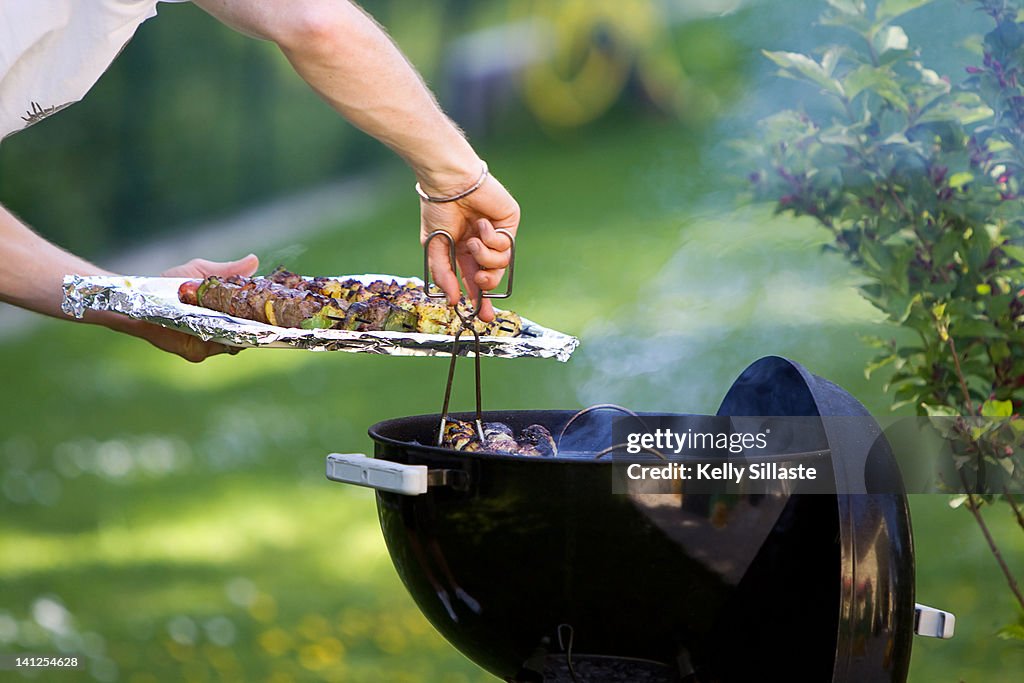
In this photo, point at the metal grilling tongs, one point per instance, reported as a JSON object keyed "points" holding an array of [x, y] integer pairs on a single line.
{"points": [[467, 319]]}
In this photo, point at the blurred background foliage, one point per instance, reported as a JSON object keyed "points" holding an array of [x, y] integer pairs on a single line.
{"points": [[193, 120], [171, 522]]}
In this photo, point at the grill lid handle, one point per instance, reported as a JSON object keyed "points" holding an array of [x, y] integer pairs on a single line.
{"points": [[382, 475], [933, 623]]}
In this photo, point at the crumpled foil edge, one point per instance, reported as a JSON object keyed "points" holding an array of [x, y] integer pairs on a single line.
{"points": [[155, 300]]}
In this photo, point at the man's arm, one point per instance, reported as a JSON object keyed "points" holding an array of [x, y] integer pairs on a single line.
{"points": [[32, 269], [32, 272], [347, 58]]}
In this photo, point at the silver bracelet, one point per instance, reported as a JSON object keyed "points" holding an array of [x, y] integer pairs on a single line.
{"points": [[443, 200]]}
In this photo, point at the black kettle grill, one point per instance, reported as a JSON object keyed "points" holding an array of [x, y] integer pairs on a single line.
{"points": [[536, 571]]}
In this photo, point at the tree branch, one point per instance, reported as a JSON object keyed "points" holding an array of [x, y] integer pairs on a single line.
{"points": [[960, 375], [1013, 504], [1011, 580]]}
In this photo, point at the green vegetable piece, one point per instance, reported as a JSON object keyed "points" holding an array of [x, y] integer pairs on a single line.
{"points": [[401, 320], [201, 290], [319, 321]]}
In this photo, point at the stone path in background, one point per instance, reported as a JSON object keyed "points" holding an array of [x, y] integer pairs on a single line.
{"points": [[336, 204]]}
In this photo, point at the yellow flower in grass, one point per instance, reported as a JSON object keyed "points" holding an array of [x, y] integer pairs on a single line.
{"points": [[182, 653], [313, 626], [275, 641], [390, 639], [195, 672], [353, 623], [222, 658], [321, 654], [263, 608]]}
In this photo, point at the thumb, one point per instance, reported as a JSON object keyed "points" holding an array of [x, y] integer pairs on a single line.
{"points": [[246, 265], [203, 268]]}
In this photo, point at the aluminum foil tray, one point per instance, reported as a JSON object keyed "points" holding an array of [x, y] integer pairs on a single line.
{"points": [[155, 300]]}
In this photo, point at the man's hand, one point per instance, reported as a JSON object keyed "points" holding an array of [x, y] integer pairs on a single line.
{"points": [[188, 347], [481, 252]]}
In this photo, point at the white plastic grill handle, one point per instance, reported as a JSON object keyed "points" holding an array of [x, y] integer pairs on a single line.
{"points": [[934, 623], [356, 468]]}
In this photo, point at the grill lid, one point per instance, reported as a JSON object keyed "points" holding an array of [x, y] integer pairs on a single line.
{"points": [[876, 601]]}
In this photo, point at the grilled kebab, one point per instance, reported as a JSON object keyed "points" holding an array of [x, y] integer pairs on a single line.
{"points": [[289, 300]]}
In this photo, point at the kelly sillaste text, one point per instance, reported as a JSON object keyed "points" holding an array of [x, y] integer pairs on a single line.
{"points": [[721, 472]]}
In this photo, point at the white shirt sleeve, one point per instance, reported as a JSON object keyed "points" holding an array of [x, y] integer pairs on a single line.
{"points": [[53, 51]]}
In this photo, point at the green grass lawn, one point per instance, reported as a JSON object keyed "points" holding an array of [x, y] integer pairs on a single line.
{"points": [[171, 522]]}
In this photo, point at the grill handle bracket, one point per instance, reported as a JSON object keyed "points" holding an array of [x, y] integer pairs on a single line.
{"points": [[933, 623]]}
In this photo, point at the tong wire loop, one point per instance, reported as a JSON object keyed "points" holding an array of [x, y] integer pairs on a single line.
{"points": [[426, 260], [511, 268]]}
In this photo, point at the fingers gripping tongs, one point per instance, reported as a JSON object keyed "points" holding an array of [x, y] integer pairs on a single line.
{"points": [[467, 318]]}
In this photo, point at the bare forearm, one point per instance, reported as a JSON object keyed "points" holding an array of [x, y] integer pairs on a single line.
{"points": [[348, 59], [365, 77], [32, 269]]}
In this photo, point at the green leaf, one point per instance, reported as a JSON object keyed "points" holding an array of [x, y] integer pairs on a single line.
{"points": [[1004, 41], [890, 38], [868, 77], [1011, 632], [850, 7], [1015, 630], [976, 326], [902, 317], [993, 408], [908, 351], [998, 146], [939, 411], [1014, 252], [957, 501], [1007, 464], [890, 57], [874, 341], [858, 23], [800, 66], [830, 59], [908, 392], [877, 364], [999, 351], [840, 136], [958, 180], [890, 9]]}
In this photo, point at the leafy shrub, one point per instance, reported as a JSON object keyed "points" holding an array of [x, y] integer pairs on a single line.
{"points": [[919, 181]]}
